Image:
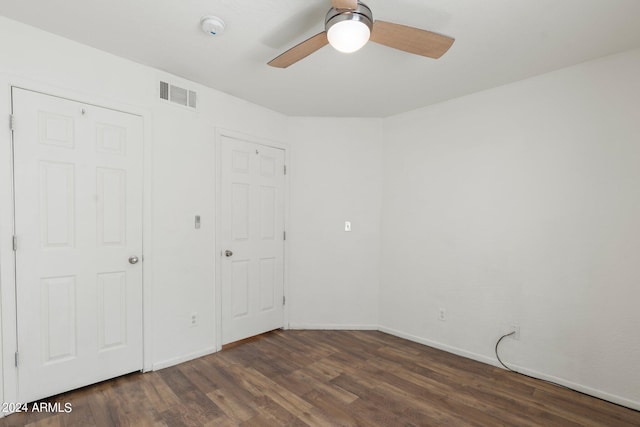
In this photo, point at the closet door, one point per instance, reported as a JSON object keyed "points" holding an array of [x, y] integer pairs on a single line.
{"points": [[78, 223]]}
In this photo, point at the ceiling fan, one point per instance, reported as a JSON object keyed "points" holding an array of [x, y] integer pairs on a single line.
{"points": [[349, 25]]}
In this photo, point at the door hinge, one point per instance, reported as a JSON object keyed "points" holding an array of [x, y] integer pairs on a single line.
{"points": [[12, 123], [284, 235], [285, 169], [16, 359], [284, 301], [15, 243]]}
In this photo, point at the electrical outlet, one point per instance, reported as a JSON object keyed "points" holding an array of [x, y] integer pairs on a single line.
{"points": [[194, 319], [515, 328], [442, 314]]}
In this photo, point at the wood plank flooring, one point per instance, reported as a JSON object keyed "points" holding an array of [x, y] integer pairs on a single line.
{"points": [[320, 378]]}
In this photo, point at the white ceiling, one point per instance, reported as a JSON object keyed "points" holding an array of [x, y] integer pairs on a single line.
{"points": [[497, 42]]}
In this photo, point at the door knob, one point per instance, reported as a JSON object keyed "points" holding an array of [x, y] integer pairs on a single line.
{"points": [[133, 259], [228, 253]]}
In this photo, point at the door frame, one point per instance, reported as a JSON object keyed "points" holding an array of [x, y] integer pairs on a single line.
{"points": [[225, 133], [8, 307]]}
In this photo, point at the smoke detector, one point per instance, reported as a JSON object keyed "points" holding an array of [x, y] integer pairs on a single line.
{"points": [[212, 25]]}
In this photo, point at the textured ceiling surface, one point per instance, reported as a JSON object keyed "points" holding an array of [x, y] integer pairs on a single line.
{"points": [[497, 42]]}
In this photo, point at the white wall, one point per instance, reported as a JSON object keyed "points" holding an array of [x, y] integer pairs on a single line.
{"points": [[182, 176], [334, 275], [521, 205]]}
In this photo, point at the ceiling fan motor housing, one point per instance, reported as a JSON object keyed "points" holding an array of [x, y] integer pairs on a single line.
{"points": [[361, 13]]}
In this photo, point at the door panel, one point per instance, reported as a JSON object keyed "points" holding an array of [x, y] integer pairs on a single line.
{"points": [[267, 284], [111, 206], [59, 318], [112, 313], [252, 217], [78, 201], [57, 201]]}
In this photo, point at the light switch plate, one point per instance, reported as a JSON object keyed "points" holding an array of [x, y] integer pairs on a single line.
{"points": [[347, 226]]}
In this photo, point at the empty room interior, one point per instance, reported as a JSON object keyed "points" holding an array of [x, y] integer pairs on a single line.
{"points": [[324, 212]]}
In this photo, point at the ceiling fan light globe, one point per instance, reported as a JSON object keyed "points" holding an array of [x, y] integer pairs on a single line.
{"points": [[348, 36]]}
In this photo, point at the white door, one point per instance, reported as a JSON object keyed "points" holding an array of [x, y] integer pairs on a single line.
{"points": [[78, 220], [252, 237]]}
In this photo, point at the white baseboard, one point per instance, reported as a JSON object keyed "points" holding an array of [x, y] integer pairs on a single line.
{"points": [[449, 349], [177, 360], [333, 327], [581, 388], [490, 361]]}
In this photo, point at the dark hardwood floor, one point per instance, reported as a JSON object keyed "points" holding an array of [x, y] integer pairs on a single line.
{"points": [[345, 378]]}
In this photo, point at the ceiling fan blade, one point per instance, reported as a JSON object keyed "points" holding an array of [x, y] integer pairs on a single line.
{"points": [[345, 4], [409, 39], [300, 51]]}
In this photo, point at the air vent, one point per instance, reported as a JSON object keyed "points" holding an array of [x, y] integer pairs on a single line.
{"points": [[178, 95]]}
